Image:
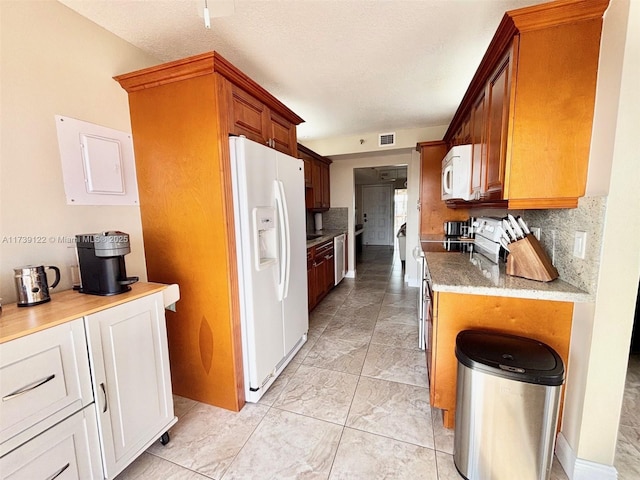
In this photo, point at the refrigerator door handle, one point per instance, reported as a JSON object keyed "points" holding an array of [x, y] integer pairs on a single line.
{"points": [[285, 247], [287, 228]]}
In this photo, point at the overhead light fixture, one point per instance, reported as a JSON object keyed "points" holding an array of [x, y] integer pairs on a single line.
{"points": [[218, 8], [207, 17]]}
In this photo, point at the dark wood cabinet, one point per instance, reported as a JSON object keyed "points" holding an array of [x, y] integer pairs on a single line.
{"points": [[308, 166], [317, 179], [311, 289], [282, 134], [247, 115], [320, 272], [253, 119], [479, 147], [497, 119]]}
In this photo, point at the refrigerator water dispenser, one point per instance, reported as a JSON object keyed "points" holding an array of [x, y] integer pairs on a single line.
{"points": [[264, 233]]}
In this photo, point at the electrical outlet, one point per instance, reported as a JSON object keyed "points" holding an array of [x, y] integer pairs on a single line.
{"points": [[536, 232], [580, 244]]}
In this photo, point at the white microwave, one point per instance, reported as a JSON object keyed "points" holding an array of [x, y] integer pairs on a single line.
{"points": [[456, 173]]}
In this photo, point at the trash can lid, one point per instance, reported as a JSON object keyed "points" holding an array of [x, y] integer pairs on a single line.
{"points": [[510, 356]]}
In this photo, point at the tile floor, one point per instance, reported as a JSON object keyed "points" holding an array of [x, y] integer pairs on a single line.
{"points": [[353, 403], [627, 460]]}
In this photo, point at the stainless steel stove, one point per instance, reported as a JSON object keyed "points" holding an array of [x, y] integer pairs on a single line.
{"points": [[487, 231]]}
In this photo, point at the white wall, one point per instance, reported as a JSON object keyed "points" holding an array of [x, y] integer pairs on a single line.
{"points": [[411, 273], [368, 142], [602, 331], [55, 62]]}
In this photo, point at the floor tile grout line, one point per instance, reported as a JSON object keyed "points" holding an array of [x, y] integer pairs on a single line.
{"points": [[179, 465], [377, 434]]}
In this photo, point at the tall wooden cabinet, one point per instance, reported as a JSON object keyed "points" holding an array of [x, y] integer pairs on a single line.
{"points": [[182, 114], [433, 211], [529, 107]]}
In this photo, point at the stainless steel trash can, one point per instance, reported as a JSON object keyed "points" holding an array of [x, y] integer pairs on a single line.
{"points": [[507, 402]]}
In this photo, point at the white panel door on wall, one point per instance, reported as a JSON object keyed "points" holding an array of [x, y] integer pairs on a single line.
{"points": [[377, 213]]}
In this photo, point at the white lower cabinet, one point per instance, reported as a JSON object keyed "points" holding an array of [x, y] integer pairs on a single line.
{"points": [[44, 378], [68, 450], [82, 400], [129, 363]]}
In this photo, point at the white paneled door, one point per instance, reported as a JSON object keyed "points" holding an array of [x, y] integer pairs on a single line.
{"points": [[377, 203]]}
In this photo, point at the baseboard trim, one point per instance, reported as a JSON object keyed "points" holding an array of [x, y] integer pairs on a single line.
{"points": [[350, 274], [580, 469]]}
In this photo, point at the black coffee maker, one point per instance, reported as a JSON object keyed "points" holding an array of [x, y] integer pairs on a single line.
{"points": [[101, 261]]}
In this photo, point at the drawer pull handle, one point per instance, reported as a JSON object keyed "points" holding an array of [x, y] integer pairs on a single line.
{"points": [[104, 392], [28, 388], [59, 472]]}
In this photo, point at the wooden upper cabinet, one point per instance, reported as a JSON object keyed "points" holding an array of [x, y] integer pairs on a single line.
{"points": [[308, 166], [497, 94], [282, 134], [317, 181], [531, 106], [325, 185], [479, 147], [248, 116], [253, 119]]}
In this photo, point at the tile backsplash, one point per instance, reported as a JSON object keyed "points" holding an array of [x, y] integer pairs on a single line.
{"points": [[558, 229], [332, 219], [336, 219]]}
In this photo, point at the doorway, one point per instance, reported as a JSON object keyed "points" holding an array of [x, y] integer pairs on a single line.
{"points": [[380, 203], [377, 214]]}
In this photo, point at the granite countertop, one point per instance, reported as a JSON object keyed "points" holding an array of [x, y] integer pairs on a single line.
{"points": [[473, 274], [439, 238], [325, 235], [435, 242]]}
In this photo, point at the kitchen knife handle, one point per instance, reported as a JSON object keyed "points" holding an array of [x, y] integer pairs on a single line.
{"points": [[523, 225]]}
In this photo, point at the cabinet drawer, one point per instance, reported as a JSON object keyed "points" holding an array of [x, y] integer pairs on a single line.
{"points": [[69, 450], [324, 249], [44, 377]]}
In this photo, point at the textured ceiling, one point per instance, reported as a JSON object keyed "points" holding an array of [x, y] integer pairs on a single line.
{"points": [[346, 67]]}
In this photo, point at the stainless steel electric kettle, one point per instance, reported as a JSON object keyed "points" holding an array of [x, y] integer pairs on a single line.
{"points": [[32, 285]]}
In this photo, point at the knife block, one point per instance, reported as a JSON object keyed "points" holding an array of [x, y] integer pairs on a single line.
{"points": [[527, 259]]}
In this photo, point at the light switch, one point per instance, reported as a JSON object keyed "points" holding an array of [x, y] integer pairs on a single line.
{"points": [[580, 244]]}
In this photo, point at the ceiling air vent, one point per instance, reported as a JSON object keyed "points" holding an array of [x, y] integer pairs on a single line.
{"points": [[386, 139]]}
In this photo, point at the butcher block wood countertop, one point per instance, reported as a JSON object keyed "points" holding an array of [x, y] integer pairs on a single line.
{"points": [[16, 322]]}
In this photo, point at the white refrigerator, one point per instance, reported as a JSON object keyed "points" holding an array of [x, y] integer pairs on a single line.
{"points": [[270, 227]]}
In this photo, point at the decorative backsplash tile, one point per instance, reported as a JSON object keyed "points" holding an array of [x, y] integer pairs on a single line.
{"points": [[558, 229], [335, 219]]}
